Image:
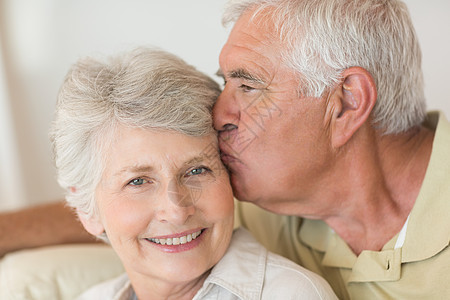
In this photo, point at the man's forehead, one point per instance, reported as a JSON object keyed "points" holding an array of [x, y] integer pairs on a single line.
{"points": [[252, 62], [259, 21], [251, 34]]}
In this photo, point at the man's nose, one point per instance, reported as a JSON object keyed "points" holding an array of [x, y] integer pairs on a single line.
{"points": [[226, 111]]}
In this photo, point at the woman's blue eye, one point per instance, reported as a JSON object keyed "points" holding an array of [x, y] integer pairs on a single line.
{"points": [[138, 181], [197, 171]]}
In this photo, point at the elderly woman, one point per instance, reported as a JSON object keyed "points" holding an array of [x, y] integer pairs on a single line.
{"points": [[135, 150]]}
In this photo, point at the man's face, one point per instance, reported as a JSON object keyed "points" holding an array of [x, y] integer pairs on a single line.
{"points": [[272, 140]]}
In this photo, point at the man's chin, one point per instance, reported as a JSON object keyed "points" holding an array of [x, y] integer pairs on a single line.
{"points": [[238, 185], [240, 190]]}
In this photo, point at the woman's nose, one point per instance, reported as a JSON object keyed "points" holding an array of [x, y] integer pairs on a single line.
{"points": [[177, 203]]}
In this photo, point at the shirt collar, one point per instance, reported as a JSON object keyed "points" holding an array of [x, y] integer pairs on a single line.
{"points": [[241, 271], [428, 230], [428, 222], [124, 289]]}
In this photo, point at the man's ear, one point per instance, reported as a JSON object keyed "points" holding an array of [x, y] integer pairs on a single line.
{"points": [[352, 102], [92, 224]]}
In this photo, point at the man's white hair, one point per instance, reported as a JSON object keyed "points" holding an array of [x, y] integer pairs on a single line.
{"points": [[322, 38]]}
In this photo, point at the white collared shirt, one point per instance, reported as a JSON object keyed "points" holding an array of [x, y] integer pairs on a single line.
{"points": [[247, 271]]}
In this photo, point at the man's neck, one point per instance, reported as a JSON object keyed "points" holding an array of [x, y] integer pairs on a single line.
{"points": [[382, 176]]}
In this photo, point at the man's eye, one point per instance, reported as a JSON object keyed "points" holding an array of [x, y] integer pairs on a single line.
{"points": [[138, 181], [246, 88], [197, 171]]}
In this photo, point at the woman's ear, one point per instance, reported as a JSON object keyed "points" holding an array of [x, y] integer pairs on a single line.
{"points": [[352, 103], [92, 224]]}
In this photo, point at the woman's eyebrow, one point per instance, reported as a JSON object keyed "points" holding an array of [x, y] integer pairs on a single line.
{"points": [[197, 159], [201, 158], [134, 169]]}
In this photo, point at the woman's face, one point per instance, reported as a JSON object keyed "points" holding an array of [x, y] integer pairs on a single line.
{"points": [[165, 203]]}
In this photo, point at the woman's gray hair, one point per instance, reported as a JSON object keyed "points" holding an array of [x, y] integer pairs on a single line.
{"points": [[322, 38], [145, 88]]}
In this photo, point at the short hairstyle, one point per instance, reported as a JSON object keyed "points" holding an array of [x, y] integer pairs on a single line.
{"points": [[322, 38], [145, 88]]}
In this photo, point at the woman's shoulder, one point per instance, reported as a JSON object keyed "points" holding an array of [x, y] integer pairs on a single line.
{"points": [[117, 288], [285, 275], [284, 279]]}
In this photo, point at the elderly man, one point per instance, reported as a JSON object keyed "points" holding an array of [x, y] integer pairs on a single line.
{"points": [[322, 119], [322, 123]]}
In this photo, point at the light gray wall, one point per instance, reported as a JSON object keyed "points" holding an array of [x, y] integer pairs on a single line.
{"points": [[432, 23], [42, 38]]}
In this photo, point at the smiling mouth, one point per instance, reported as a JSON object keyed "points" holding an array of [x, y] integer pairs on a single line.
{"points": [[178, 240]]}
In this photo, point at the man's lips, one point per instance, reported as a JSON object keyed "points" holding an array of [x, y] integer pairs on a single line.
{"points": [[227, 158], [228, 152], [225, 150], [231, 146]]}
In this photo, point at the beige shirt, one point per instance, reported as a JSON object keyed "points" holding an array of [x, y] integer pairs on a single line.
{"points": [[417, 268], [247, 271]]}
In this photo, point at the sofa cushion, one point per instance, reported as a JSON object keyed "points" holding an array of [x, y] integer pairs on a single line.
{"points": [[57, 272]]}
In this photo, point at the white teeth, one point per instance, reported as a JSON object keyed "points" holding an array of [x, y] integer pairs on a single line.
{"points": [[177, 241]]}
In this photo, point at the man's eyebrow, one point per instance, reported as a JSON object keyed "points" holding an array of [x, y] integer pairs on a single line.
{"points": [[240, 73], [220, 73]]}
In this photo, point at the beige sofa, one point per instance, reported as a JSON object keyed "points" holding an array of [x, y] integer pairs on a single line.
{"points": [[57, 272]]}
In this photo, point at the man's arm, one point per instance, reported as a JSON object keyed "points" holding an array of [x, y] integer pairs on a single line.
{"points": [[43, 225]]}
